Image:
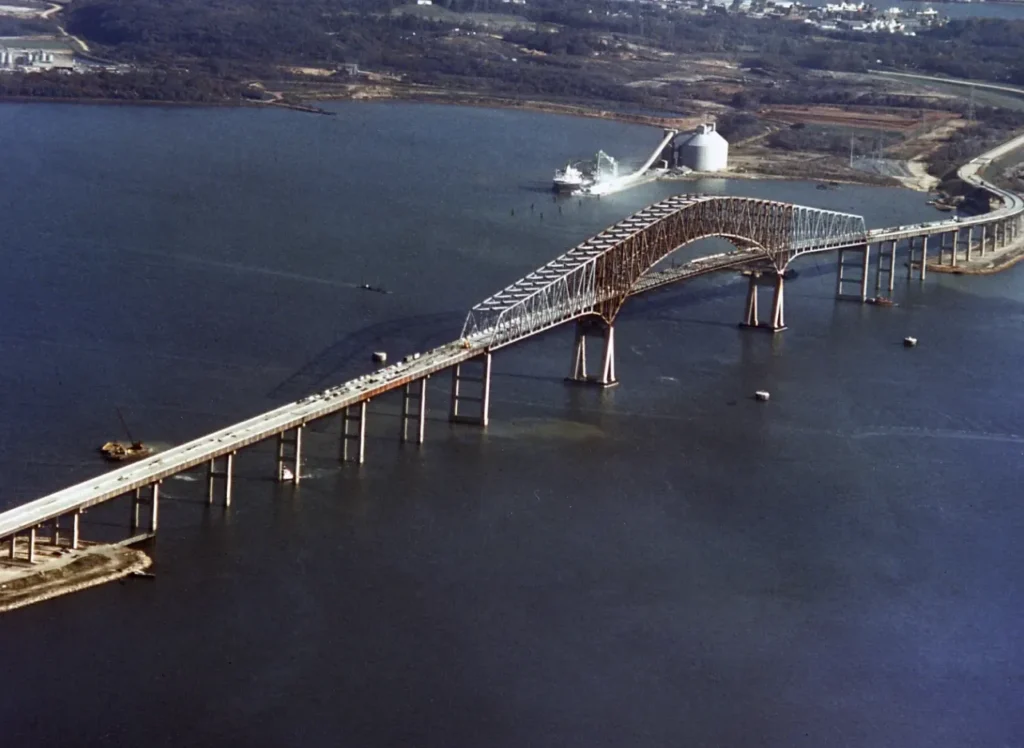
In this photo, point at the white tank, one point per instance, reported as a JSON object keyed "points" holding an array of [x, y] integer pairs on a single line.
{"points": [[703, 150]]}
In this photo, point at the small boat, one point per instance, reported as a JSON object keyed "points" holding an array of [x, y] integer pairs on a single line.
{"points": [[124, 452]]}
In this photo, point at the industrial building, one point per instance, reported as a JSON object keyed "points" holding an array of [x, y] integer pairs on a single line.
{"points": [[34, 53], [702, 150]]}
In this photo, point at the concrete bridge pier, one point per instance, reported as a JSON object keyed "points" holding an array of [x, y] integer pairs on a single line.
{"points": [[859, 280], [593, 327], [886, 266], [480, 401], [286, 444], [353, 433], [414, 408], [984, 239], [774, 280], [918, 259], [138, 501], [942, 247], [956, 242], [227, 474]]}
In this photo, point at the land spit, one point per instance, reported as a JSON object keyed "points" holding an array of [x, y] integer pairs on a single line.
{"points": [[59, 570]]}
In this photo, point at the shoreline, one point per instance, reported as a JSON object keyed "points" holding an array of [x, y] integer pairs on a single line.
{"points": [[921, 182], [486, 101]]}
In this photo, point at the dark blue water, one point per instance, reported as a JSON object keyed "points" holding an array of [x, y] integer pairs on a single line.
{"points": [[665, 563]]}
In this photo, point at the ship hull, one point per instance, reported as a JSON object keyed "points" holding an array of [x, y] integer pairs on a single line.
{"points": [[566, 188]]}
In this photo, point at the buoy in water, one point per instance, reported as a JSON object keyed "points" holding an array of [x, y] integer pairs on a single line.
{"points": [[762, 395]]}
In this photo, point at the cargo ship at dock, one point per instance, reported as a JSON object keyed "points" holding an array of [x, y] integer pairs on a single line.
{"points": [[580, 177]]}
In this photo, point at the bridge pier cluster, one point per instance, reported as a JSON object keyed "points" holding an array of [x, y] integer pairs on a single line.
{"points": [[594, 328], [773, 279]]}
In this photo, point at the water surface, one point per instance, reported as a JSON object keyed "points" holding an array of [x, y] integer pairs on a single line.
{"points": [[665, 563]]}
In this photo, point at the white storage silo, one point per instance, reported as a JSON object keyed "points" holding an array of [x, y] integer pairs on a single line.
{"points": [[704, 150]]}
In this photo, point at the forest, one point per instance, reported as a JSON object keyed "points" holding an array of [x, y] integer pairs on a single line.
{"points": [[219, 46]]}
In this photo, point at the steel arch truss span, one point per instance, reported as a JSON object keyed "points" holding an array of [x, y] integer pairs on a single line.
{"points": [[597, 276]]}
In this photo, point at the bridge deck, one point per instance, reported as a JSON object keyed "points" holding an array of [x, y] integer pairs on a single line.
{"points": [[331, 401], [231, 439]]}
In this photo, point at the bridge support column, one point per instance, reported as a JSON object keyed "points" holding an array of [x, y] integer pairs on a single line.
{"points": [[13, 550], [136, 503], [138, 500], [984, 238], [414, 407], [886, 265], [460, 398], [918, 260], [970, 244], [295, 458], [353, 433], [774, 280], [55, 539], [154, 506], [860, 280], [942, 248], [32, 545], [593, 327], [212, 474], [74, 529]]}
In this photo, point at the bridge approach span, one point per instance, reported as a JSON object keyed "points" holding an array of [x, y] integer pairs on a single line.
{"points": [[590, 281]]}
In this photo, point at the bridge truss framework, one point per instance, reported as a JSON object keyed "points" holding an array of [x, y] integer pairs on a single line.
{"points": [[597, 276]]}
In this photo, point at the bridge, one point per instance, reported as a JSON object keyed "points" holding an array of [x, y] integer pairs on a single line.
{"points": [[587, 286]]}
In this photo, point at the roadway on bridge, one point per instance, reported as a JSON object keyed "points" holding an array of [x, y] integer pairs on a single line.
{"points": [[202, 450]]}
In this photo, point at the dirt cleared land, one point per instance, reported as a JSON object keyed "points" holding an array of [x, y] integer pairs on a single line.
{"points": [[383, 91], [757, 160], [874, 119], [59, 571]]}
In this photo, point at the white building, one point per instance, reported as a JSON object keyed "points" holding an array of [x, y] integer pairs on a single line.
{"points": [[703, 150]]}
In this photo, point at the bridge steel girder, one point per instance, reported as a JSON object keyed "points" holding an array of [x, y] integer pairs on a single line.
{"points": [[597, 276]]}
